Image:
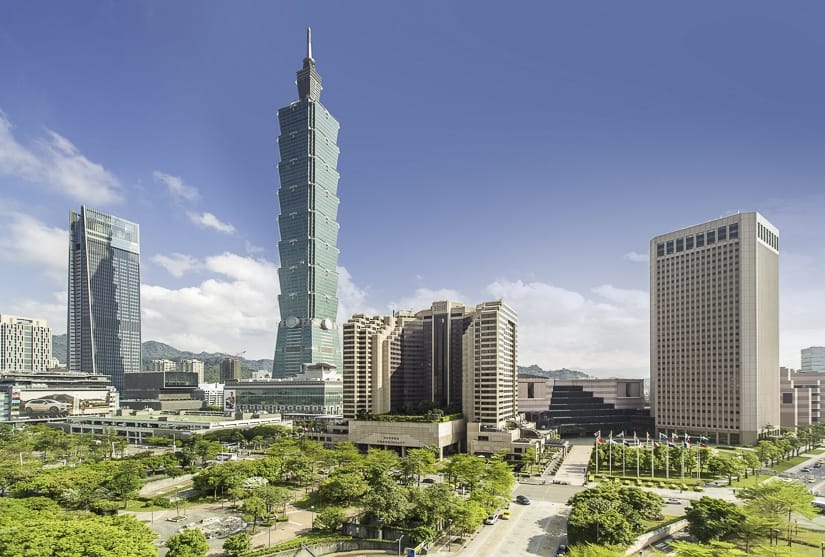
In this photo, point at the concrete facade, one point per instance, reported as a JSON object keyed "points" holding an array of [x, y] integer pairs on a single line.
{"points": [[801, 397], [714, 314], [25, 344], [448, 437]]}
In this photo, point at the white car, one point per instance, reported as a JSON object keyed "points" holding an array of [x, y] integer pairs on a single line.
{"points": [[672, 501], [47, 406], [492, 519]]}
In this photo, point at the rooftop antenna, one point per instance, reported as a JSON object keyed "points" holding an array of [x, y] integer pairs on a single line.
{"points": [[309, 43]]}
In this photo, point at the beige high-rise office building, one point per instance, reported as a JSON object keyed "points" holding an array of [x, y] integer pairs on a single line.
{"points": [[450, 356], [25, 344], [714, 329], [490, 369], [164, 365], [194, 366]]}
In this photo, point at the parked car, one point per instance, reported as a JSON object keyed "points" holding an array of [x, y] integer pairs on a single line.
{"points": [[562, 550], [505, 514], [523, 500], [673, 501], [805, 470], [492, 519], [47, 406]]}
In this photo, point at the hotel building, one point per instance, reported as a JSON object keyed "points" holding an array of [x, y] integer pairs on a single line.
{"points": [[714, 329]]}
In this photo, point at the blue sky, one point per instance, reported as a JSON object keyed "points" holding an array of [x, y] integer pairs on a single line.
{"points": [[526, 151]]}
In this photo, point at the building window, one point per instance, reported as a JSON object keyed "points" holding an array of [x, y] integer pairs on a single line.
{"points": [[733, 231], [670, 247], [680, 244], [787, 398], [689, 242], [700, 240], [660, 249], [722, 233]]}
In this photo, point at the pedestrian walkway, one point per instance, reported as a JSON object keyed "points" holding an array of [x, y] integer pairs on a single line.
{"points": [[573, 469]]}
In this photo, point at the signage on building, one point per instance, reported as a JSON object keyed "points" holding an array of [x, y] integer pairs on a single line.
{"points": [[62, 402]]}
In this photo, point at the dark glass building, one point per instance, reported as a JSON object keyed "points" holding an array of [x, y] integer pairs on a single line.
{"points": [[308, 302], [104, 295]]}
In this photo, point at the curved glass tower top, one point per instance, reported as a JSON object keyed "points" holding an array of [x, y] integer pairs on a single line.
{"points": [[308, 330]]}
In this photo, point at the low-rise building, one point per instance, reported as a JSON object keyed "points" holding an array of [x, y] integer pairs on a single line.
{"points": [[51, 395]]}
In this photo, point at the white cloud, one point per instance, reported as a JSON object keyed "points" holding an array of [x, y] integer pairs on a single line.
{"points": [[636, 257], [423, 298], [52, 310], [352, 299], [605, 332], [58, 166], [176, 186], [176, 264], [252, 248], [26, 241], [234, 310], [208, 220]]}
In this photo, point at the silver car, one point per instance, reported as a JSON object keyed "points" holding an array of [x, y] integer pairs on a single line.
{"points": [[47, 406]]}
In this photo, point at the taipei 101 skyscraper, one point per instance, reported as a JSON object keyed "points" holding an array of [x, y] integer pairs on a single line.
{"points": [[308, 331]]}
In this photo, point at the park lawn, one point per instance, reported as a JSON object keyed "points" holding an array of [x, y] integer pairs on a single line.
{"points": [[817, 451], [790, 463]]}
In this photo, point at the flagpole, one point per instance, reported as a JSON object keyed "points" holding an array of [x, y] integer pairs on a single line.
{"points": [[652, 457], [610, 452], [596, 454]]}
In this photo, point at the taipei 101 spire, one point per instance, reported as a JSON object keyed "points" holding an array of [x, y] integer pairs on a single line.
{"points": [[308, 197]]}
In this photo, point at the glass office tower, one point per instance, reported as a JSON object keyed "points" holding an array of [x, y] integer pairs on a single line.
{"points": [[308, 330], [104, 295]]}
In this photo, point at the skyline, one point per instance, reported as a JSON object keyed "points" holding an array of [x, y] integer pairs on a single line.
{"points": [[484, 154]]}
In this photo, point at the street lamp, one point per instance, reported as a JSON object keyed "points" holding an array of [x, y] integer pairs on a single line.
{"points": [[401, 537], [312, 524]]}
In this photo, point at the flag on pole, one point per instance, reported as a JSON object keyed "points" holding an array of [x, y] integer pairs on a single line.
{"points": [[703, 442], [620, 435], [663, 437], [598, 434]]}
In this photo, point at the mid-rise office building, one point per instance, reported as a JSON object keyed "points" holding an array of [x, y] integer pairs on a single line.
{"points": [[813, 359], [714, 329], [308, 331], [164, 365], [802, 397], [230, 370], [194, 366], [25, 344], [104, 295]]}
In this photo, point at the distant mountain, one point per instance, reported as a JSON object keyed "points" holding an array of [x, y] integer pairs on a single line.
{"points": [[60, 348], [153, 350], [563, 373]]}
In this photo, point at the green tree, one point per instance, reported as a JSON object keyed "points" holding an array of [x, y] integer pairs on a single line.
{"points": [[255, 507], [274, 496], [189, 543], [417, 463], [779, 500], [205, 449], [125, 483], [467, 516], [386, 502], [329, 519], [713, 519], [37, 527], [343, 487], [237, 544]]}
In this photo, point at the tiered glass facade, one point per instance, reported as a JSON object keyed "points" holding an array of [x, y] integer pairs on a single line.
{"points": [[104, 295], [308, 331]]}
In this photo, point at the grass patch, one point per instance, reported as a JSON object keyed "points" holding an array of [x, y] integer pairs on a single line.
{"points": [[790, 463], [817, 451]]}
